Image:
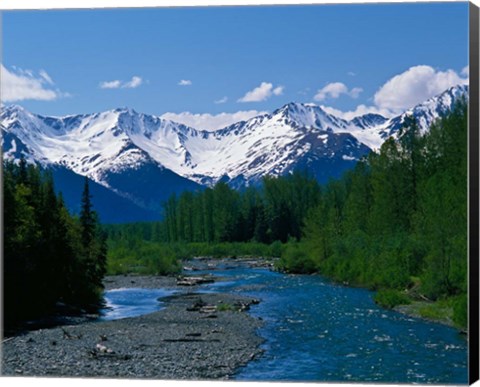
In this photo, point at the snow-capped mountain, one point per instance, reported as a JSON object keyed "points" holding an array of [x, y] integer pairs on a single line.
{"points": [[92, 144], [100, 146], [271, 144], [145, 158], [427, 112]]}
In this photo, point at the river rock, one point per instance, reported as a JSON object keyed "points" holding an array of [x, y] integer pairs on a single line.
{"points": [[172, 343], [193, 281]]}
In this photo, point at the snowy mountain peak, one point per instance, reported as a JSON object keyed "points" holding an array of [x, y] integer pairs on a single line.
{"points": [[14, 112], [429, 111], [125, 110], [308, 116], [368, 120], [12, 109], [293, 136], [442, 103], [298, 111], [295, 108]]}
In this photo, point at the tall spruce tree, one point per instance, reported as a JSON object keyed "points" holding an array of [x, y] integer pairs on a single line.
{"points": [[94, 250], [49, 256], [87, 216]]}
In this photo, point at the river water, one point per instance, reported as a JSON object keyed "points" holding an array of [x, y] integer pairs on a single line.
{"points": [[131, 302], [316, 330]]}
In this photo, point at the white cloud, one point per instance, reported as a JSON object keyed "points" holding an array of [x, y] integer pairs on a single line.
{"points": [[221, 100], [355, 92], [414, 86], [466, 71], [185, 82], [46, 77], [335, 90], [278, 90], [111, 84], [401, 92], [117, 84], [261, 93], [211, 122], [20, 85], [133, 83], [351, 73]]}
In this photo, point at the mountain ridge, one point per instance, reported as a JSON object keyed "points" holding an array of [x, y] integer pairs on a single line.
{"points": [[118, 145]]}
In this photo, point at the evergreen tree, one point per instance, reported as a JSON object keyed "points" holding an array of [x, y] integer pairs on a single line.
{"points": [[400, 213], [49, 256], [87, 216]]}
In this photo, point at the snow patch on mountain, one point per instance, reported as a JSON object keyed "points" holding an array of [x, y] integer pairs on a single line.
{"points": [[295, 135]]}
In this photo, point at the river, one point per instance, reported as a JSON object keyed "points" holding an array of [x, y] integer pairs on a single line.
{"points": [[316, 330]]}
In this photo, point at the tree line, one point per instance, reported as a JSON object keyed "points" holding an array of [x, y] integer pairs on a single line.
{"points": [[217, 222], [274, 211], [50, 256], [221, 214], [399, 219]]}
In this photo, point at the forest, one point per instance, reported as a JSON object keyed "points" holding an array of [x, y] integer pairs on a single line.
{"points": [[51, 258], [397, 223], [398, 220]]}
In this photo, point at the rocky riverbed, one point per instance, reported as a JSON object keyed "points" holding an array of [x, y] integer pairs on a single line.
{"points": [[195, 337]]}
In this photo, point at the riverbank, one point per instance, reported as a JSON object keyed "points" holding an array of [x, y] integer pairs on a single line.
{"points": [[180, 341], [430, 311], [413, 303]]}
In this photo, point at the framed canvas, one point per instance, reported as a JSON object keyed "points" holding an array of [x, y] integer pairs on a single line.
{"points": [[269, 192]]}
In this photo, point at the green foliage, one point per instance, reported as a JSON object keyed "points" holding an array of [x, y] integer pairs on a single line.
{"points": [[147, 257], [437, 311], [142, 258], [460, 311], [295, 259], [225, 307], [274, 211], [389, 298], [216, 222], [275, 250], [400, 213], [449, 310], [47, 258]]}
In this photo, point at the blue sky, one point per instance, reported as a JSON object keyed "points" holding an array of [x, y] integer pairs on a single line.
{"points": [[207, 64]]}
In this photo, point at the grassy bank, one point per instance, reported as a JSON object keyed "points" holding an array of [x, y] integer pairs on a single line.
{"points": [[165, 258], [445, 311], [406, 295], [154, 258], [448, 311]]}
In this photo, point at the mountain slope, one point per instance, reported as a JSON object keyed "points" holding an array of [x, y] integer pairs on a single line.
{"points": [[144, 158], [100, 147], [427, 112], [111, 207], [270, 144]]}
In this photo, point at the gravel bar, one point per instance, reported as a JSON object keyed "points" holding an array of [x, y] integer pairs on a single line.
{"points": [[173, 343]]}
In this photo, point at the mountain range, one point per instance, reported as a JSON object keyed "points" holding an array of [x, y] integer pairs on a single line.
{"points": [[135, 161]]}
